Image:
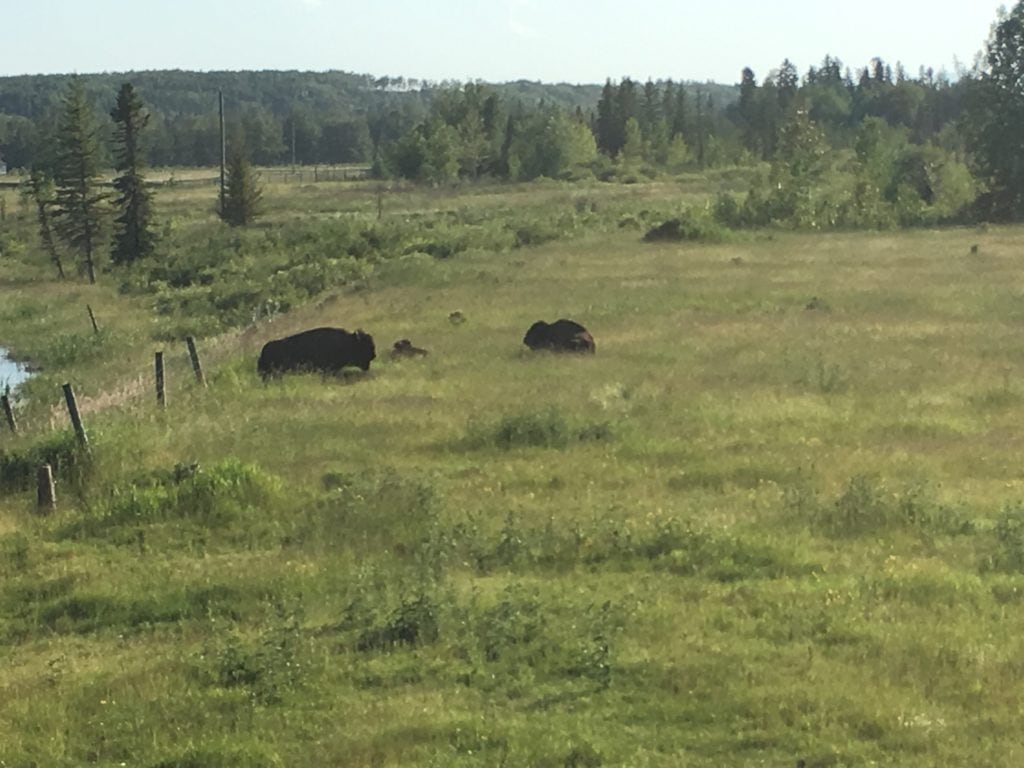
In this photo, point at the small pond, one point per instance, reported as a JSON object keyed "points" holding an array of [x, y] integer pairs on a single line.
{"points": [[11, 373]]}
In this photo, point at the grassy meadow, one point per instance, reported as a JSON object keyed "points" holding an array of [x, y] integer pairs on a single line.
{"points": [[778, 516]]}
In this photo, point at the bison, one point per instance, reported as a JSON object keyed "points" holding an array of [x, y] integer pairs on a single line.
{"points": [[404, 348], [326, 350], [560, 336]]}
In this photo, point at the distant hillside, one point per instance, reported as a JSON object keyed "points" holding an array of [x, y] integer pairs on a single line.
{"points": [[308, 117], [179, 92]]}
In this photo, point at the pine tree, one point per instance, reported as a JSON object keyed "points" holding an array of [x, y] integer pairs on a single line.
{"points": [[133, 235], [79, 204], [607, 119], [242, 194]]}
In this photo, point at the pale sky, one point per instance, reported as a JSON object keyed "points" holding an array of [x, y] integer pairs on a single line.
{"points": [[575, 41]]}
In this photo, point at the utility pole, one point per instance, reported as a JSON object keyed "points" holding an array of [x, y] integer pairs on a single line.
{"points": [[223, 150]]}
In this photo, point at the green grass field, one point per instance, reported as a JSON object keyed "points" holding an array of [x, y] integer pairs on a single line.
{"points": [[744, 533]]}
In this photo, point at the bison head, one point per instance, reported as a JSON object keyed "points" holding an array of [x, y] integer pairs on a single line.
{"points": [[538, 335], [364, 344]]}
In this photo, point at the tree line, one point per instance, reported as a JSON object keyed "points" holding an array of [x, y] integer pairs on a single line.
{"points": [[868, 147]]}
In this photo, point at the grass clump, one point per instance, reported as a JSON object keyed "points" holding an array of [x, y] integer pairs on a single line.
{"points": [[545, 429], [380, 511], [216, 496], [867, 506]]}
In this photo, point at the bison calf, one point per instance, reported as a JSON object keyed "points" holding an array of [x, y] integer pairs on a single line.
{"points": [[326, 350], [560, 336], [404, 348]]}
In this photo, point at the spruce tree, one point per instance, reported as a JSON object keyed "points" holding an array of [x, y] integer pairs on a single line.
{"points": [[242, 194], [133, 235], [79, 204]]}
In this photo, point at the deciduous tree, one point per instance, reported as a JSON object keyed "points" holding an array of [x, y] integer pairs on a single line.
{"points": [[997, 114]]}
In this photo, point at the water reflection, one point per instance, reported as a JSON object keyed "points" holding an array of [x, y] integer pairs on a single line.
{"points": [[11, 373]]}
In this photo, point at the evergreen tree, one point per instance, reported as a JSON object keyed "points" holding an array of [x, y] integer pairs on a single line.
{"points": [[680, 116], [748, 110], [133, 234], [78, 210], [650, 108], [607, 120], [242, 192], [788, 83]]}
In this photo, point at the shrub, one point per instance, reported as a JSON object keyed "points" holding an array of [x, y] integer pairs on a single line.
{"points": [[62, 451], [687, 226], [414, 622]]}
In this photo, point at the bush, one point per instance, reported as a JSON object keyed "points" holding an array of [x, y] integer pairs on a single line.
{"points": [[688, 226], [62, 451], [414, 622]]}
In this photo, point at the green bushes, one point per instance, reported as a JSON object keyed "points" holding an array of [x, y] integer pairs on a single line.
{"points": [[889, 183], [69, 460], [689, 225]]}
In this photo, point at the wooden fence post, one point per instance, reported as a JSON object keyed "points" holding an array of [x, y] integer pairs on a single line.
{"points": [[92, 319], [46, 493], [76, 418], [5, 401], [158, 364], [194, 357]]}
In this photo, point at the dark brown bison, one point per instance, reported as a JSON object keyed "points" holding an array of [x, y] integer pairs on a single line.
{"points": [[559, 336], [404, 348], [325, 350]]}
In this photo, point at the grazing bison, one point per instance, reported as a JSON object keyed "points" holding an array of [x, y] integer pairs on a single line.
{"points": [[326, 350], [559, 336], [404, 348]]}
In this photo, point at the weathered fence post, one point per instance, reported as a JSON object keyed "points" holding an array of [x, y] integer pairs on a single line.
{"points": [[92, 319], [5, 401], [158, 364], [76, 418], [46, 493], [194, 357]]}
